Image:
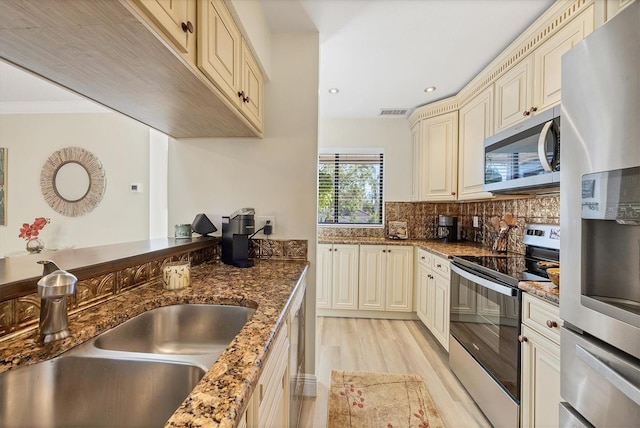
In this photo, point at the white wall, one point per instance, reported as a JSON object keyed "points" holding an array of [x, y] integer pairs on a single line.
{"points": [[121, 144], [394, 135], [275, 175]]}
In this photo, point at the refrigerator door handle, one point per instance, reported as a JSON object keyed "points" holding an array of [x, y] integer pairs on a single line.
{"points": [[612, 376], [542, 154]]}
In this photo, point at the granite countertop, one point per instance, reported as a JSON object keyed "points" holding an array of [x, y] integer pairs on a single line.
{"points": [[546, 290], [436, 246], [222, 394]]}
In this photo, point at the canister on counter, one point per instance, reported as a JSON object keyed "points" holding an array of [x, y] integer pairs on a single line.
{"points": [[176, 275], [183, 231]]}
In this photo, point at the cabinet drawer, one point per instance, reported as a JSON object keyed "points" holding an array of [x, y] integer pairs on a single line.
{"points": [[440, 265], [423, 257], [542, 316]]}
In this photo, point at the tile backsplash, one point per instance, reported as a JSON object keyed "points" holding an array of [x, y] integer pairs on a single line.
{"points": [[422, 218]]}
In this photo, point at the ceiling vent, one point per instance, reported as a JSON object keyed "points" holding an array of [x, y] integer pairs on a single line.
{"points": [[387, 112]]}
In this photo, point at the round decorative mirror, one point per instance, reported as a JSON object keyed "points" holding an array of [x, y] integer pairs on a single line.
{"points": [[73, 181]]}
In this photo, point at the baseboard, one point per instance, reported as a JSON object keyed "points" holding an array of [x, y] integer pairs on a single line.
{"points": [[310, 388], [387, 315]]}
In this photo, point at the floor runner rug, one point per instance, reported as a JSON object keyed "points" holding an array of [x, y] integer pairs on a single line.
{"points": [[368, 400]]}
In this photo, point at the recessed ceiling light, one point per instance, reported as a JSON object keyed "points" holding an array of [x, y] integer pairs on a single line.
{"points": [[430, 89], [334, 90]]}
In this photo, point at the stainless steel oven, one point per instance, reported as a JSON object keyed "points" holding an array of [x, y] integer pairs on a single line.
{"points": [[600, 220], [484, 351], [484, 347]]}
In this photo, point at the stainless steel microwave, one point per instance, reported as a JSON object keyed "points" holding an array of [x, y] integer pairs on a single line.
{"points": [[525, 157]]}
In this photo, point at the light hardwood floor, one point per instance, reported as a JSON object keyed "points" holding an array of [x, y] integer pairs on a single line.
{"points": [[388, 346]]}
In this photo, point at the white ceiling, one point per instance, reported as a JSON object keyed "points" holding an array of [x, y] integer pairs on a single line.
{"points": [[384, 53], [379, 53]]}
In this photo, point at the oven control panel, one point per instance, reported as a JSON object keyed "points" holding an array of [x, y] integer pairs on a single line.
{"points": [[542, 235]]}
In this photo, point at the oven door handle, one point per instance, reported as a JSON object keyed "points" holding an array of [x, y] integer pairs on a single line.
{"points": [[502, 289], [611, 375]]}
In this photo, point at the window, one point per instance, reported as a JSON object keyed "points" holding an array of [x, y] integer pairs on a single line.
{"points": [[350, 189]]}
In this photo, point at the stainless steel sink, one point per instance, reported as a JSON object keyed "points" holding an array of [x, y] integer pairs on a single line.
{"points": [[96, 392], [178, 330]]}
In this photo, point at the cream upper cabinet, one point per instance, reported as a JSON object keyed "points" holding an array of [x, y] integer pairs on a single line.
{"points": [[476, 124], [533, 84], [438, 170], [513, 92], [615, 6], [219, 47], [547, 59], [415, 162], [251, 88], [175, 19], [386, 278]]}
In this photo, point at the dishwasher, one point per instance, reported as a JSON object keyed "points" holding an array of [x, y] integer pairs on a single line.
{"points": [[296, 357]]}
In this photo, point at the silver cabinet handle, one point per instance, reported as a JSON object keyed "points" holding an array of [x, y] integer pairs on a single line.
{"points": [[542, 154], [612, 376]]}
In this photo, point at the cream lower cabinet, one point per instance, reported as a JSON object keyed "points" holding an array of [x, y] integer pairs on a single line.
{"points": [[337, 276], [386, 278], [269, 404], [433, 294], [540, 346]]}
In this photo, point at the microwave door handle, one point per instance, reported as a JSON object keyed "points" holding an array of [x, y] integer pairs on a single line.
{"points": [[502, 289], [612, 376], [542, 153]]}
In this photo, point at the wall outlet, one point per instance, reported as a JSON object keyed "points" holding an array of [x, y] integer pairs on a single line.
{"points": [[261, 221], [136, 187]]}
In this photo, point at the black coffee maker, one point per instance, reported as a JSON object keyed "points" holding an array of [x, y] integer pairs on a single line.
{"points": [[236, 230], [447, 228]]}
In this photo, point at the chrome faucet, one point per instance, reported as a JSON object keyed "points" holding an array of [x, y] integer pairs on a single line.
{"points": [[53, 289]]}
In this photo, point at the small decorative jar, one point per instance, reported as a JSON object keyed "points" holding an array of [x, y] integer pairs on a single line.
{"points": [[176, 275], [34, 246]]}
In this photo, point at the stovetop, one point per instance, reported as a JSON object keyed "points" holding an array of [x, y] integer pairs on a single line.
{"points": [[508, 269], [543, 245]]}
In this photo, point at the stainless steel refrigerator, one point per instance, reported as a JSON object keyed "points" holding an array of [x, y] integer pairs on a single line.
{"points": [[600, 226]]}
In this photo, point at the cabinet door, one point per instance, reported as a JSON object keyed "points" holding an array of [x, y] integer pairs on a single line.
{"points": [[422, 284], [440, 327], [399, 278], [273, 385], [344, 290], [169, 16], [219, 47], [439, 167], [513, 94], [415, 162], [476, 124], [372, 277], [540, 380], [547, 59], [324, 275], [251, 104], [615, 6]]}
